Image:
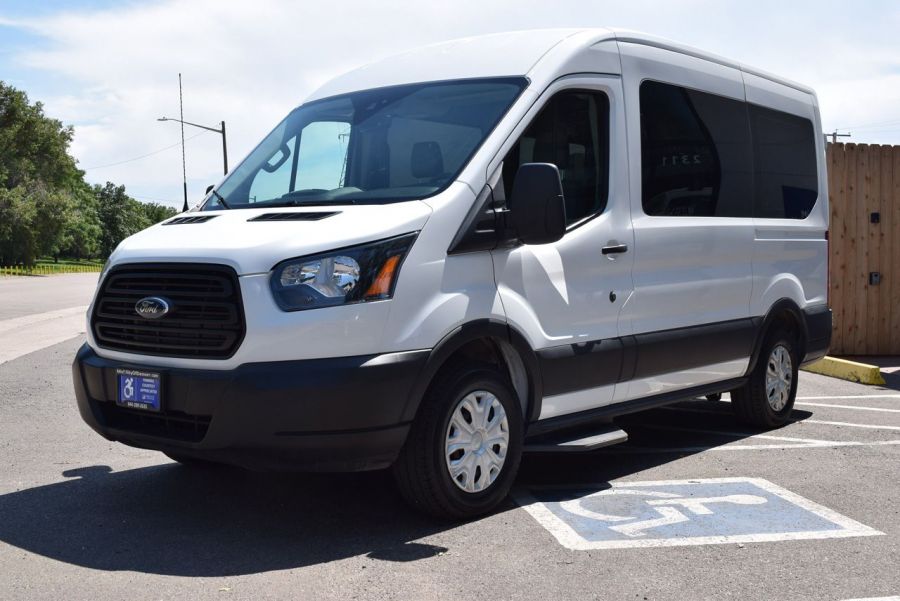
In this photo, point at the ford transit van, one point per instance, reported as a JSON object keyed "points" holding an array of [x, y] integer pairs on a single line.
{"points": [[472, 250]]}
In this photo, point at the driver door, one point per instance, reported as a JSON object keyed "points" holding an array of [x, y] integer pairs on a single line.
{"points": [[566, 297]]}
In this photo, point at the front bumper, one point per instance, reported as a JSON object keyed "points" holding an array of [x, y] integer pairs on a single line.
{"points": [[340, 414]]}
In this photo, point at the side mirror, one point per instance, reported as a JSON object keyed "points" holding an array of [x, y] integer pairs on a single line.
{"points": [[536, 204]]}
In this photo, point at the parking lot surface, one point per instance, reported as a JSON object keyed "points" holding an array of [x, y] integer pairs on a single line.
{"points": [[37, 312], [82, 518]]}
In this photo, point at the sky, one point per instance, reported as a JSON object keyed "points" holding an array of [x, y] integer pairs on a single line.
{"points": [[110, 68]]}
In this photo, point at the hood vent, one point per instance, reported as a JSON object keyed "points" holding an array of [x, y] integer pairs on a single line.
{"points": [[190, 219], [294, 216]]}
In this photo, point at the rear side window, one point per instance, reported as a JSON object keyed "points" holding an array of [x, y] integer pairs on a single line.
{"points": [[572, 132], [785, 157], [696, 153]]}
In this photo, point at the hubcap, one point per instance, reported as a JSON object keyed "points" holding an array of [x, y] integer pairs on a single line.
{"points": [[779, 377], [476, 442]]}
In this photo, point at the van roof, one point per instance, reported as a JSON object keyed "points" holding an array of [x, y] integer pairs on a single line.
{"points": [[507, 54]]}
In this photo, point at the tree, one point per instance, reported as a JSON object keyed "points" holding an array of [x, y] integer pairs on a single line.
{"points": [[34, 219], [46, 207], [33, 147], [16, 239], [81, 238], [120, 216], [157, 212]]}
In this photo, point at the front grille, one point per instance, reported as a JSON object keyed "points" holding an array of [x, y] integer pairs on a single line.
{"points": [[174, 425], [206, 318]]}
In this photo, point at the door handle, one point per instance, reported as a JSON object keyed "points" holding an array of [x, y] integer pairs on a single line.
{"points": [[615, 249]]}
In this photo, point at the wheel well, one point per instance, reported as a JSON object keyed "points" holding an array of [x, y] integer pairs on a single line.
{"points": [[784, 314], [788, 319], [499, 354]]}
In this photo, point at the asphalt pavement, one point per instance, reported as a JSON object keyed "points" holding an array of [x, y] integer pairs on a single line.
{"points": [[702, 508], [30, 295], [40, 311]]}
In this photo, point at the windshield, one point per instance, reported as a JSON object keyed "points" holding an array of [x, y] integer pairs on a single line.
{"points": [[376, 146]]}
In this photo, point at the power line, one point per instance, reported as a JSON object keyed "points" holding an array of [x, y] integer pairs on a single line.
{"points": [[143, 156]]}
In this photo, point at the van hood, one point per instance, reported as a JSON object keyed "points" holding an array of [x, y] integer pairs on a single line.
{"points": [[255, 240]]}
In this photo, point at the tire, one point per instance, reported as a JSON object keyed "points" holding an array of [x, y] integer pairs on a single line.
{"points": [[751, 403], [423, 470]]}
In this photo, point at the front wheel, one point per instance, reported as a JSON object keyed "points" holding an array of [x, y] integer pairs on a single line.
{"points": [[464, 448], [767, 399]]}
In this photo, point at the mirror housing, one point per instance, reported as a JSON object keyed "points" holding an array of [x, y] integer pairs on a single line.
{"points": [[536, 205]]}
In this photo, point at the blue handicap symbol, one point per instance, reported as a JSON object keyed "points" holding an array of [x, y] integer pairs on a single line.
{"points": [[674, 512]]}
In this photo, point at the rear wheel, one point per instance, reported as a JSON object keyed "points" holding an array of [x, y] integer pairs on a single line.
{"points": [[464, 448], [767, 399]]}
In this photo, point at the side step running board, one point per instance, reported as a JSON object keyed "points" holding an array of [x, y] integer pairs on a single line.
{"points": [[561, 444]]}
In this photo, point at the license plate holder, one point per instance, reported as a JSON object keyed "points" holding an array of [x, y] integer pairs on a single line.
{"points": [[139, 389]]}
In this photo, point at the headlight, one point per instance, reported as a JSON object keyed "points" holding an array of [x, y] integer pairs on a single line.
{"points": [[350, 275]]}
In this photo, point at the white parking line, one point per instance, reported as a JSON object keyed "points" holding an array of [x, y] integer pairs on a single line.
{"points": [[857, 396], [849, 425], [625, 450], [738, 435], [849, 407]]}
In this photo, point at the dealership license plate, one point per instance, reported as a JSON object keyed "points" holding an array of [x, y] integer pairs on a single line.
{"points": [[138, 389]]}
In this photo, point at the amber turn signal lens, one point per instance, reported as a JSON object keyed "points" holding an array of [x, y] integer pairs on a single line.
{"points": [[381, 287]]}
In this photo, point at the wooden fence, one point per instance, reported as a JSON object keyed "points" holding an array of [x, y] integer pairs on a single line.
{"points": [[864, 189]]}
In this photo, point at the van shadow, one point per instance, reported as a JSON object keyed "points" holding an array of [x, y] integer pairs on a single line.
{"points": [[181, 521], [655, 437], [217, 522]]}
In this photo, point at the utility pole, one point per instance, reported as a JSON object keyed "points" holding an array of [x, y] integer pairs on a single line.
{"points": [[835, 135]]}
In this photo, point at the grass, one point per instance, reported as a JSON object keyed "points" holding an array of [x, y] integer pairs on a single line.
{"points": [[49, 267]]}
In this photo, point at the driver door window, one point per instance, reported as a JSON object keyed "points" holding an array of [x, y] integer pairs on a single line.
{"points": [[572, 132], [323, 152]]}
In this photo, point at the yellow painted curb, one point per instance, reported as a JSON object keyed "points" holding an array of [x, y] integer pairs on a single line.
{"points": [[846, 370]]}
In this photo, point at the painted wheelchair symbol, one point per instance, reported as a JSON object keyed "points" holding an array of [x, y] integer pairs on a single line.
{"points": [[669, 506], [128, 389]]}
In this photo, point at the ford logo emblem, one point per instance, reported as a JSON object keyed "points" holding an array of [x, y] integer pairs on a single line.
{"points": [[152, 307]]}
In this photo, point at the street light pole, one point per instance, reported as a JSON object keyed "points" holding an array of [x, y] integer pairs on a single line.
{"points": [[218, 131], [224, 151], [183, 123]]}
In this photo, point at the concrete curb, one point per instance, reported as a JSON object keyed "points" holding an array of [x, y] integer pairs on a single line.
{"points": [[847, 370]]}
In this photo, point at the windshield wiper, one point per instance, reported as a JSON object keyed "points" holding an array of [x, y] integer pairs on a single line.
{"points": [[221, 200]]}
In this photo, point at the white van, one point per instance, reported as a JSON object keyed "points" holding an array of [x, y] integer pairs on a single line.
{"points": [[471, 250]]}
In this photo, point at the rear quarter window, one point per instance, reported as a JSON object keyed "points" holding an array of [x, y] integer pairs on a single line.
{"points": [[696, 153], [786, 178]]}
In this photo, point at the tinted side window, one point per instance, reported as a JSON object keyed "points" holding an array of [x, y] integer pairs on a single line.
{"points": [[785, 157], [696, 157], [572, 132]]}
